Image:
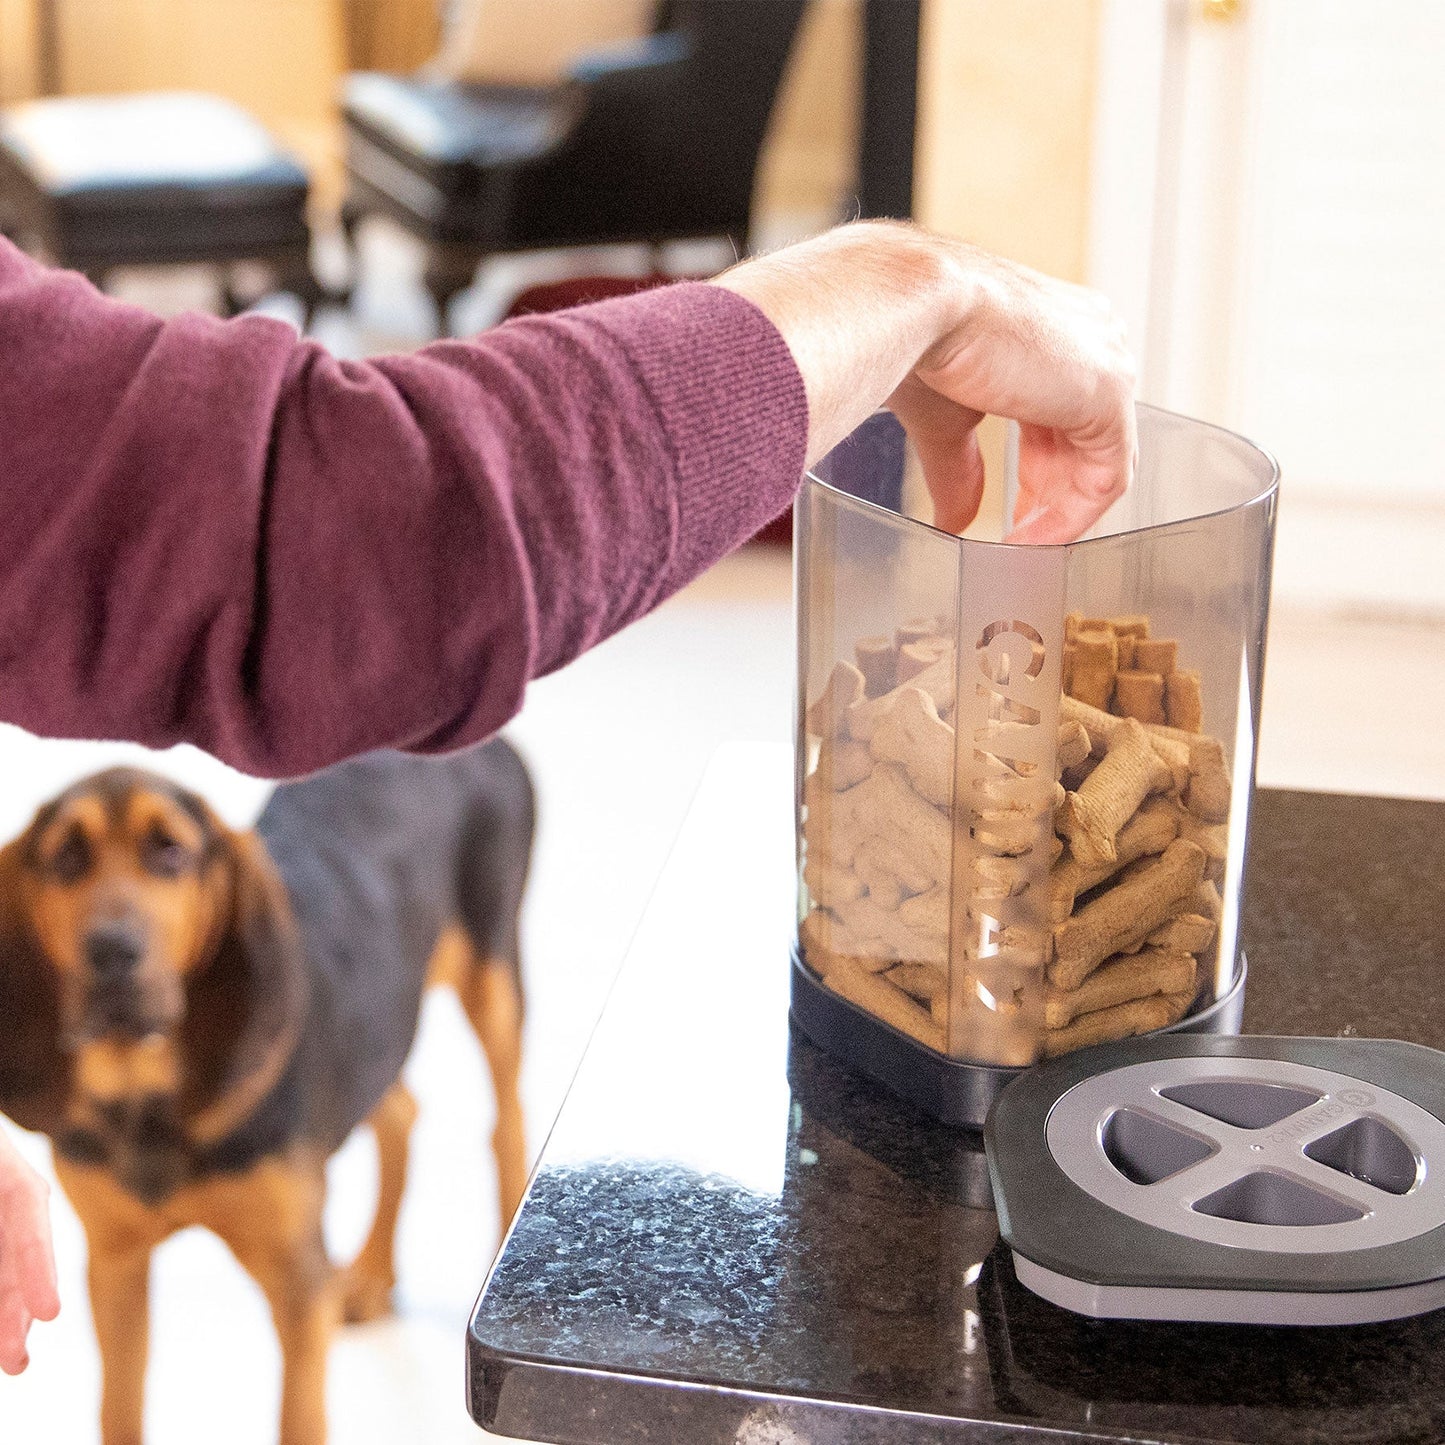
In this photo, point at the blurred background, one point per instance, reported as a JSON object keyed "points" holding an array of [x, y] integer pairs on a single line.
{"points": [[1259, 185]]}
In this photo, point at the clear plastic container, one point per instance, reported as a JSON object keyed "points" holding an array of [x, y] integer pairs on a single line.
{"points": [[1024, 773]]}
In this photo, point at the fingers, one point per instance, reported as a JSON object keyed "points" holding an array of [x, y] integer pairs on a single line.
{"points": [[945, 436], [14, 1326], [1052, 357], [27, 1260], [1065, 486], [36, 1270]]}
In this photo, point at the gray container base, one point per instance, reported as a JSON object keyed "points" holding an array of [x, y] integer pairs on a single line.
{"points": [[952, 1091]]}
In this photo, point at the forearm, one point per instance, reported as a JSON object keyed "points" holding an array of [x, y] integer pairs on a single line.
{"points": [[220, 534]]}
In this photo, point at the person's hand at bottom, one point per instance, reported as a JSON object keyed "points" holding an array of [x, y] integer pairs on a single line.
{"points": [[27, 1258]]}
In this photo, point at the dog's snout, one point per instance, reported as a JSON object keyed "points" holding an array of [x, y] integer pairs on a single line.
{"points": [[114, 950]]}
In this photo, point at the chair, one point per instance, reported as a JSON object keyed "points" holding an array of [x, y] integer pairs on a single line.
{"points": [[650, 142], [97, 182]]}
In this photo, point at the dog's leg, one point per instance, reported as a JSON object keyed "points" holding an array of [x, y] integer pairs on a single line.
{"points": [[494, 1006], [271, 1218], [120, 1306], [121, 1234], [367, 1286]]}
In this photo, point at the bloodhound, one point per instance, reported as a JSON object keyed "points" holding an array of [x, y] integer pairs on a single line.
{"points": [[199, 1017]]}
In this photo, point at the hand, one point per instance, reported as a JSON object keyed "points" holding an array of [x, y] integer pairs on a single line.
{"points": [[1052, 357], [27, 1259], [879, 313]]}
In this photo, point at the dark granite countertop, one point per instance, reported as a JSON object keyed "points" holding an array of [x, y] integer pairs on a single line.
{"points": [[729, 1238]]}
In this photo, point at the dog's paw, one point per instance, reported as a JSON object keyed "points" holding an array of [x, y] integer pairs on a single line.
{"points": [[365, 1297]]}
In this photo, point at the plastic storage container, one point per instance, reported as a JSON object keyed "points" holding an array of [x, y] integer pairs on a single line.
{"points": [[1024, 773]]}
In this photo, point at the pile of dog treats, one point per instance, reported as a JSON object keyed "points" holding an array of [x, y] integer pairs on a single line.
{"points": [[1139, 801]]}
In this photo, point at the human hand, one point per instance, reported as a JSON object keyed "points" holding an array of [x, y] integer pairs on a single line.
{"points": [[881, 313], [1046, 354], [27, 1259]]}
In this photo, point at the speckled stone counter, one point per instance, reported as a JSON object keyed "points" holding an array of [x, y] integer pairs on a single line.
{"points": [[729, 1238]]}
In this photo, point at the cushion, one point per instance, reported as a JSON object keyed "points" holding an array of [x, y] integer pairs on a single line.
{"points": [[442, 124], [149, 177], [144, 142]]}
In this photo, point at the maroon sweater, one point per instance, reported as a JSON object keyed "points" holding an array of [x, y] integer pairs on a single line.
{"points": [[216, 532]]}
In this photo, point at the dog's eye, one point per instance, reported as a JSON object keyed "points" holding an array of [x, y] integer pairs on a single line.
{"points": [[163, 855], [71, 858]]}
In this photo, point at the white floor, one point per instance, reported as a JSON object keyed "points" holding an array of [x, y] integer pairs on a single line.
{"points": [[618, 743]]}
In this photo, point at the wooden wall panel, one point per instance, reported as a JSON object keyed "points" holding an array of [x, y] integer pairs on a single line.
{"points": [[1004, 155], [19, 78]]}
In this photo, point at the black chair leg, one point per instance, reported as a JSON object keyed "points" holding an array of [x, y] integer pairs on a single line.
{"points": [[449, 271], [351, 217]]}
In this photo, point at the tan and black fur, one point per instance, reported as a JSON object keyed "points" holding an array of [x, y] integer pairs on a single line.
{"points": [[199, 1018]]}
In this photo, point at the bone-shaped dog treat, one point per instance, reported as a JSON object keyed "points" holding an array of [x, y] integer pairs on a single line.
{"points": [[911, 733], [829, 885], [920, 981], [1111, 795], [879, 881], [1205, 754], [1147, 896], [825, 938], [1073, 778], [1116, 981], [1187, 933], [1135, 625], [937, 680], [844, 688], [842, 763], [916, 657], [1151, 830], [905, 835], [883, 866], [1185, 701], [1207, 901], [899, 816], [1212, 837], [1156, 654], [918, 629], [1102, 727], [1139, 695], [1208, 795], [1073, 745], [1105, 1025], [927, 912], [884, 1001], [884, 936], [1096, 661], [877, 660], [996, 878]]}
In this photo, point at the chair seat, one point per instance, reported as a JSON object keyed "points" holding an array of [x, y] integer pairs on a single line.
{"points": [[441, 124], [167, 176]]}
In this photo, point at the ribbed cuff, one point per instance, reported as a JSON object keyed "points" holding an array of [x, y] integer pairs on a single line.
{"points": [[730, 401]]}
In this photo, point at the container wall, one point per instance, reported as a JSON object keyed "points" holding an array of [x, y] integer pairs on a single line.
{"points": [[1025, 772], [877, 601]]}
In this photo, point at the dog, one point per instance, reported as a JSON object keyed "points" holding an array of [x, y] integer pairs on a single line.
{"points": [[198, 1018]]}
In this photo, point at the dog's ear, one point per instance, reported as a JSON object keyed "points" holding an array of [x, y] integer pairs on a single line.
{"points": [[246, 1006], [34, 1072]]}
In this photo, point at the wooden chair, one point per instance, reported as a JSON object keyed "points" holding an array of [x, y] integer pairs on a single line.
{"points": [[650, 142]]}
